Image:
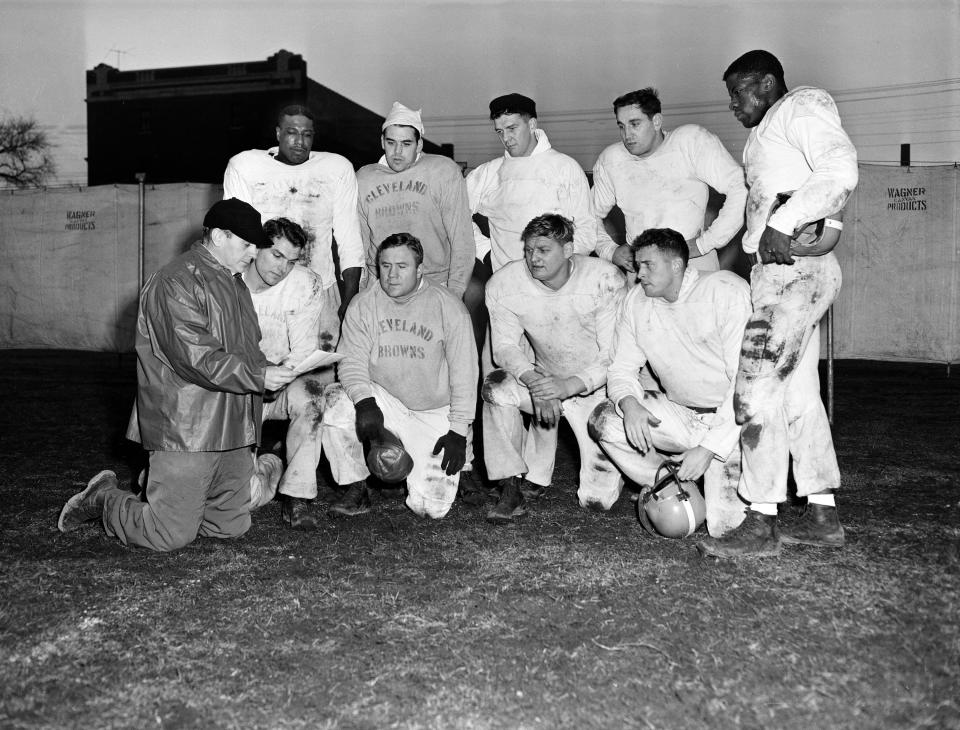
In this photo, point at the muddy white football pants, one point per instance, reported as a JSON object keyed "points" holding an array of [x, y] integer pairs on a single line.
{"points": [[302, 403], [777, 396], [330, 319], [510, 450], [430, 490], [680, 428]]}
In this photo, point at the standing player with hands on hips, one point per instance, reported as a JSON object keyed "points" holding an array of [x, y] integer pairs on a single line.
{"points": [[661, 179]]}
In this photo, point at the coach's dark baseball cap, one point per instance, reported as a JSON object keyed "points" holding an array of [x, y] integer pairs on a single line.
{"points": [[513, 104], [240, 218]]}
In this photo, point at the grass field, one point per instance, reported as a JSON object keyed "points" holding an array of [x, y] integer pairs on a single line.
{"points": [[567, 619]]}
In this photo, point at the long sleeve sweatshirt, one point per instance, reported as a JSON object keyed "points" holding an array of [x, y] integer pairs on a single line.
{"points": [[319, 194], [512, 191], [668, 189], [570, 329], [798, 146], [428, 200], [420, 348], [692, 344]]}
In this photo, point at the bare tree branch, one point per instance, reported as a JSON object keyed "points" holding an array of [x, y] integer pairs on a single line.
{"points": [[25, 153]]}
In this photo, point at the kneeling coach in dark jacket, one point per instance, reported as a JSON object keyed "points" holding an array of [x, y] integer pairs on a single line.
{"points": [[200, 383]]}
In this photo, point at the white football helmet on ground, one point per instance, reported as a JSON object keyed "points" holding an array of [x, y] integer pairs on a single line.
{"points": [[671, 507]]}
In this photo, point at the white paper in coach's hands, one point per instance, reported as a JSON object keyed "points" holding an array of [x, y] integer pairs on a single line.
{"points": [[317, 359]]}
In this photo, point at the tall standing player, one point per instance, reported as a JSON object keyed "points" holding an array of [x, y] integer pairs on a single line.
{"points": [[797, 145], [318, 191], [659, 179], [530, 179], [422, 194]]}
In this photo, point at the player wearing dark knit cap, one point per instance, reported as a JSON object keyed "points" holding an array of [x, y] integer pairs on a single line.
{"points": [[530, 179]]}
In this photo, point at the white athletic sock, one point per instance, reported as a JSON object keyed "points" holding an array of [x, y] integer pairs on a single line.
{"points": [[765, 508], [825, 498]]}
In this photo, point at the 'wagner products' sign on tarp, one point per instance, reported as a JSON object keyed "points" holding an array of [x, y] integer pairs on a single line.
{"points": [[900, 267], [70, 273], [69, 278]]}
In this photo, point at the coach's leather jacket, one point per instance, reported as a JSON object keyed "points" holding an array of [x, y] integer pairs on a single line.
{"points": [[199, 366]]}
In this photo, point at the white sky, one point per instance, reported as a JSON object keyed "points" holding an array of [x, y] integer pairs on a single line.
{"points": [[572, 56]]}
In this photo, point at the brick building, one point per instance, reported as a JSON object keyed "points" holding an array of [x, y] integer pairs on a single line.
{"points": [[183, 124]]}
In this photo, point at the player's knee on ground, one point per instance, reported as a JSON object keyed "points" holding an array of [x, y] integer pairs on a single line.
{"points": [[604, 422], [179, 536], [432, 495], [499, 389], [591, 500], [600, 479], [426, 506]]}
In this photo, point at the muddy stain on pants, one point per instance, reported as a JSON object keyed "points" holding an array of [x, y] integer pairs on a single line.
{"points": [[430, 490], [510, 450], [777, 398], [680, 428], [301, 402]]}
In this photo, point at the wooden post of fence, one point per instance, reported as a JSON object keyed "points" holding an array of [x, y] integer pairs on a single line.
{"points": [[141, 228], [830, 364]]}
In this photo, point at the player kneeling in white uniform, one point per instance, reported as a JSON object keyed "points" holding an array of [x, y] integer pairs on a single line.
{"points": [[289, 300], [566, 306], [688, 325], [410, 366]]}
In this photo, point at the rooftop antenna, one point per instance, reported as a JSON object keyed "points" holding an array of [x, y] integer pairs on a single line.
{"points": [[119, 52]]}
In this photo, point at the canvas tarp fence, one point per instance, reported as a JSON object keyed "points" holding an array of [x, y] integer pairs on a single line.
{"points": [[70, 270], [901, 267], [69, 278]]}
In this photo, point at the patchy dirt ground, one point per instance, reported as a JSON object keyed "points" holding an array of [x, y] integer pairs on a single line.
{"points": [[568, 619]]}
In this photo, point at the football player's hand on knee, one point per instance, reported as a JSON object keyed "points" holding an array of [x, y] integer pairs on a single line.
{"points": [[454, 448], [547, 412], [636, 424], [693, 463]]}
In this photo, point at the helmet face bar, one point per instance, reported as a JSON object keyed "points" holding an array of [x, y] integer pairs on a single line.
{"points": [[671, 507]]}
